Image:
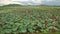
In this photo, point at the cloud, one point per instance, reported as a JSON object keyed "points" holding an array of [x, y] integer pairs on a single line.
{"points": [[20, 2], [29, 2], [51, 2], [5, 2]]}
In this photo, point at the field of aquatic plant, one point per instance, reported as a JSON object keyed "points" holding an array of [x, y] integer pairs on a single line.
{"points": [[29, 20]]}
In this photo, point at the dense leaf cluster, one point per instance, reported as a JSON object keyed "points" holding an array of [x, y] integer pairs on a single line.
{"points": [[10, 23]]}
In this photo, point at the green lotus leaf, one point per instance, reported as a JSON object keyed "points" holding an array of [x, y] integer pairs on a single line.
{"points": [[31, 30], [7, 30], [23, 29]]}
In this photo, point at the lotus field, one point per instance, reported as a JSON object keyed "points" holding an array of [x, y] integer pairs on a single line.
{"points": [[29, 20]]}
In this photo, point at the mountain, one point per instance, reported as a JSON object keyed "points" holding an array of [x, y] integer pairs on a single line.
{"points": [[12, 5]]}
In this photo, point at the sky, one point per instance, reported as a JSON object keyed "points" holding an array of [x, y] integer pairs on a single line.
{"points": [[30, 2]]}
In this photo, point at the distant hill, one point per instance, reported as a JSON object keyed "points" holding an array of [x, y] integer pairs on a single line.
{"points": [[13, 5]]}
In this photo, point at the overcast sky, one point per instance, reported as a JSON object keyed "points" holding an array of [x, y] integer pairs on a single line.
{"points": [[30, 2]]}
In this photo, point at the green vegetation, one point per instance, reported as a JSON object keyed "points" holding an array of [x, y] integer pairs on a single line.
{"points": [[29, 20]]}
